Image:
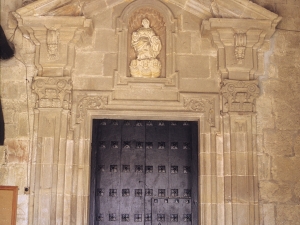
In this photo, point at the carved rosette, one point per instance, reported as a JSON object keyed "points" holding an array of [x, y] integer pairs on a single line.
{"points": [[204, 105], [52, 92], [90, 103], [239, 96]]}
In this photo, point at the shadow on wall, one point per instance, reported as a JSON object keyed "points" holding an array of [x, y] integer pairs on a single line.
{"points": [[6, 52]]}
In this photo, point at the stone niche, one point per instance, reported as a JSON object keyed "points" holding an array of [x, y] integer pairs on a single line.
{"points": [[210, 56], [163, 26]]}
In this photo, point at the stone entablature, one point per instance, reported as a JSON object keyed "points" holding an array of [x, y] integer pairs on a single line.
{"points": [[238, 42], [55, 39]]}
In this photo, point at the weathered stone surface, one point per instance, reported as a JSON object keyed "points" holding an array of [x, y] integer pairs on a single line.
{"points": [[265, 115], [17, 150], [286, 169], [183, 43], [189, 66], [268, 214], [279, 142], [288, 214], [271, 192], [89, 63], [106, 41]]}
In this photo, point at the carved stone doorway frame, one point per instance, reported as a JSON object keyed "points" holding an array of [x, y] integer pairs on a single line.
{"points": [[204, 146]]}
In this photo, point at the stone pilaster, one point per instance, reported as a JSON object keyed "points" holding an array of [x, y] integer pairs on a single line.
{"points": [[239, 65]]}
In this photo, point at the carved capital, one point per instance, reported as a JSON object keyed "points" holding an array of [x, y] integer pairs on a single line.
{"points": [[239, 96], [90, 103], [52, 92]]}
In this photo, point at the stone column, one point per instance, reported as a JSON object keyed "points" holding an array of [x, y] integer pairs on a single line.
{"points": [[239, 67]]}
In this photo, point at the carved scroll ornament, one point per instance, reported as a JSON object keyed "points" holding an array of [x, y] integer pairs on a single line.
{"points": [[90, 102], [52, 92], [239, 96], [147, 46]]}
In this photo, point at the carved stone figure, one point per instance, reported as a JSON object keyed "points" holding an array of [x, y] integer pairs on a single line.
{"points": [[147, 47]]}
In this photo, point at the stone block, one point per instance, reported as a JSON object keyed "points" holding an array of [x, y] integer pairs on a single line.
{"points": [[106, 41], [288, 214], [13, 90], [296, 197], [297, 146], [17, 176], [11, 131], [104, 19], [264, 167], [9, 116], [286, 169], [268, 214], [279, 142], [12, 70], [110, 64], [286, 115], [23, 125], [189, 22], [17, 150], [274, 192], [196, 66], [183, 43], [89, 63], [22, 212], [4, 173], [92, 83], [265, 117], [287, 10]]}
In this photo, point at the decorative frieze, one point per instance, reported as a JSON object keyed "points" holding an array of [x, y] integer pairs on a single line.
{"points": [[52, 92], [239, 96], [90, 103]]}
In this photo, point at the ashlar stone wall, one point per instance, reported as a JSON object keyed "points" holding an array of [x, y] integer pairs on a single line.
{"points": [[279, 120], [277, 107]]}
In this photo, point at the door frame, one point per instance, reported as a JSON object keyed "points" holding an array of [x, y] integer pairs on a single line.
{"points": [[83, 133]]}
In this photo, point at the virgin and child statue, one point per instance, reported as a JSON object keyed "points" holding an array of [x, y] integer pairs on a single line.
{"points": [[147, 46]]}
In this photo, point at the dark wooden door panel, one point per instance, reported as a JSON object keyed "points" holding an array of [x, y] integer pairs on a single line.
{"points": [[144, 172]]}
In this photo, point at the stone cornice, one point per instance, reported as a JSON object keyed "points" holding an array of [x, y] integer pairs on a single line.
{"points": [[218, 8]]}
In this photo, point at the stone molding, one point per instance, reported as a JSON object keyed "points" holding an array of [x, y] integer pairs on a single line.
{"points": [[52, 92], [239, 96]]}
